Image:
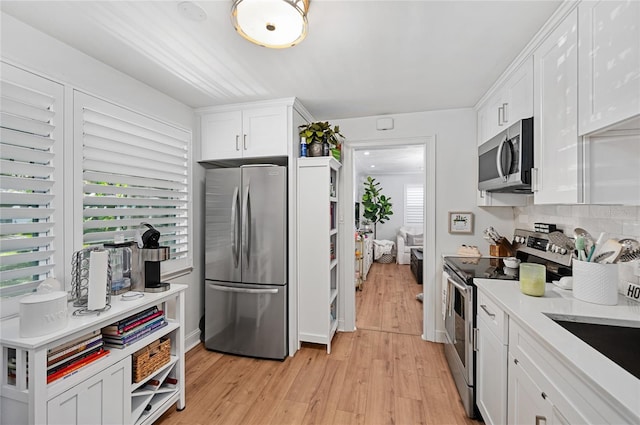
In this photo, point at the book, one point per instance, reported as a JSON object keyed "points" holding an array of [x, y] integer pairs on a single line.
{"points": [[64, 363], [134, 325], [73, 353], [121, 324], [73, 349], [75, 366], [75, 341], [121, 343], [136, 330]]}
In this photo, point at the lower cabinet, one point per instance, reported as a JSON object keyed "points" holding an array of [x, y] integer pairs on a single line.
{"points": [[97, 400]]}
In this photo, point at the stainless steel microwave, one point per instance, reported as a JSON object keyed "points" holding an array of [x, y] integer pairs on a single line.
{"points": [[506, 160]]}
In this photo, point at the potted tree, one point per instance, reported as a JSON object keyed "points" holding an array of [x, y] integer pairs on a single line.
{"points": [[320, 136], [377, 207]]}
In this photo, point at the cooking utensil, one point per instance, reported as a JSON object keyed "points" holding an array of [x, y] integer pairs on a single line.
{"points": [[629, 245], [629, 256], [588, 239]]}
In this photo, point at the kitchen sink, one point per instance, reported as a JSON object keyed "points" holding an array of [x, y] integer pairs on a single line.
{"points": [[618, 340]]}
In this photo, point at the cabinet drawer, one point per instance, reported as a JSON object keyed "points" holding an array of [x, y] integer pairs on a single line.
{"points": [[494, 317]]}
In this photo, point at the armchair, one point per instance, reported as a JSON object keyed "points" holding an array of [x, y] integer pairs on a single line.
{"points": [[408, 238]]}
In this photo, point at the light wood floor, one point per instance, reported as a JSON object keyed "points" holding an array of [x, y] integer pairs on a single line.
{"points": [[383, 373]]}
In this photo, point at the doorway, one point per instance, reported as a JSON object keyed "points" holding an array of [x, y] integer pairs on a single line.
{"points": [[351, 195]]}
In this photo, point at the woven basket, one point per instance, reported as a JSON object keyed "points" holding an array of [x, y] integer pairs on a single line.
{"points": [[387, 258], [150, 358]]}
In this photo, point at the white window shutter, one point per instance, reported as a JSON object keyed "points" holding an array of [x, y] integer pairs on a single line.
{"points": [[414, 204], [31, 119], [134, 169]]}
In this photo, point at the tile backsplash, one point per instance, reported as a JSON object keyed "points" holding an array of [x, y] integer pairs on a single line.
{"points": [[616, 220]]}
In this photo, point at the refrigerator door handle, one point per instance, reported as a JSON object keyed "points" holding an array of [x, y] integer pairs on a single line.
{"points": [[243, 290], [246, 225], [234, 226]]}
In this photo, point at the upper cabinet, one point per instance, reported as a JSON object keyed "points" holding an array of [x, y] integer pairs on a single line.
{"points": [[247, 131], [511, 102], [555, 176], [609, 63]]}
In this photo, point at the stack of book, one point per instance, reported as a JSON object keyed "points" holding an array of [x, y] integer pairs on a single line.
{"points": [[133, 328], [66, 359]]}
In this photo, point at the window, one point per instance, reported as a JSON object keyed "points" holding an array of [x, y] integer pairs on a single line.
{"points": [[413, 204], [30, 183], [134, 169]]}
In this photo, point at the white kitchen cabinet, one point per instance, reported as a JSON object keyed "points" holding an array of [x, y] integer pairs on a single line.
{"points": [[537, 390], [245, 132], [84, 403], [491, 361], [101, 391], [319, 239], [555, 178], [510, 102], [609, 59]]}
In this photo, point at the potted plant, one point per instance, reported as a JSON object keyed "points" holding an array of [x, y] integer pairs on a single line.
{"points": [[377, 207], [316, 134]]}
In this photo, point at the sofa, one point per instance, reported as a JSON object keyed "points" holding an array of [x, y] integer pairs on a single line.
{"points": [[408, 238]]}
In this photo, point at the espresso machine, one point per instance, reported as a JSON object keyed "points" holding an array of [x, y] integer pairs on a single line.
{"points": [[146, 256]]}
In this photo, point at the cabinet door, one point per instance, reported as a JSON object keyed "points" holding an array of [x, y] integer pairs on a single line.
{"points": [[526, 404], [490, 119], [609, 63], [221, 135], [264, 132], [491, 375], [555, 136], [518, 94], [101, 399]]}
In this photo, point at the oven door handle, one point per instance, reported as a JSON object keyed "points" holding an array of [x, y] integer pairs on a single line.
{"points": [[459, 286]]}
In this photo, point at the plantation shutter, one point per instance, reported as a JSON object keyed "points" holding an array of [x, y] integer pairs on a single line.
{"points": [[414, 204], [30, 180], [134, 169]]}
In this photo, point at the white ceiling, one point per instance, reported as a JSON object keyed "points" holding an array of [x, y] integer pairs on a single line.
{"points": [[360, 58], [396, 160]]}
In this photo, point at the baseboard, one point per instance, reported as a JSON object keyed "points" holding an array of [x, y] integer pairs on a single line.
{"points": [[192, 340]]}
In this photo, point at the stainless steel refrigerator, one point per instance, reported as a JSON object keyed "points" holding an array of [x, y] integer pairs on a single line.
{"points": [[246, 261]]}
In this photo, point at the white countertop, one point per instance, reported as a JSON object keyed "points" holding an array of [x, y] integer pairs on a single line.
{"points": [[590, 364]]}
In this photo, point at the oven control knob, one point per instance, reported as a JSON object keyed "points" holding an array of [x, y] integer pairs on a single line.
{"points": [[549, 247], [563, 251]]}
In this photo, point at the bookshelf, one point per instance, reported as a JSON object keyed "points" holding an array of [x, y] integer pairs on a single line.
{"points": [[318, 243], [101, 391]]}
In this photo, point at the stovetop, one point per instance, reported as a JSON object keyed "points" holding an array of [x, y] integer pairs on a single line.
{"points": [[552, 250], [469, 268]]}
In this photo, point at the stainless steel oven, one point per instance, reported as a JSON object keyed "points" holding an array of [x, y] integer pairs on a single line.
{"points": [[459, 325]]}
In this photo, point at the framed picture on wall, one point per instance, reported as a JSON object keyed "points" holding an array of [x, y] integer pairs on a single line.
{"points": [[460, 222]]}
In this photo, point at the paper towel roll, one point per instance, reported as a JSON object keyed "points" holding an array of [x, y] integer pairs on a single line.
{"points": [[98, 264]]}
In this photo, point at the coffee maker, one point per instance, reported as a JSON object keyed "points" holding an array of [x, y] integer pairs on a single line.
{"points": [[147, 255]]}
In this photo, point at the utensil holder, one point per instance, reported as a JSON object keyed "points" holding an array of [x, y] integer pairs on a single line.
{"points": [[595, 283]]}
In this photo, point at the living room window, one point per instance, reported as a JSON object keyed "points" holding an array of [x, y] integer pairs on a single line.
{"points": [[413, 204]]}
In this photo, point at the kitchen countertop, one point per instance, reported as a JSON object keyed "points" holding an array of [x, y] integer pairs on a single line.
{"points": [[576, 354]]}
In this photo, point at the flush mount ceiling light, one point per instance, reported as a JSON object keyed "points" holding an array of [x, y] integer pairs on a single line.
{"points": [[271, 23]]}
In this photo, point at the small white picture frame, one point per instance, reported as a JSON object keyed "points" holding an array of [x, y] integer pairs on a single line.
{"points": [[460, 222]]}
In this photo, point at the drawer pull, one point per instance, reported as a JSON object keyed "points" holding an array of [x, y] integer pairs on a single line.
{"points": [[486, 310], [544, 396], [515, 361]]}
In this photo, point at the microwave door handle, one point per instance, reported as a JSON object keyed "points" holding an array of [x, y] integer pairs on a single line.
{"points": [[499, 160]]}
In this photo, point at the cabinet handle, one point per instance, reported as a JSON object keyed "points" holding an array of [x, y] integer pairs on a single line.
{"points": [[541, 420], [499, 119], [534, 180], [544, 396], [237, 145], [505, 115], [486, 310], [476, 332], [515, 361], [244, 141]]}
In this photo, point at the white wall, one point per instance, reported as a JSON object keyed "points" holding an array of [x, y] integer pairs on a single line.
{"points": [[456, 182], [35, 51]]}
